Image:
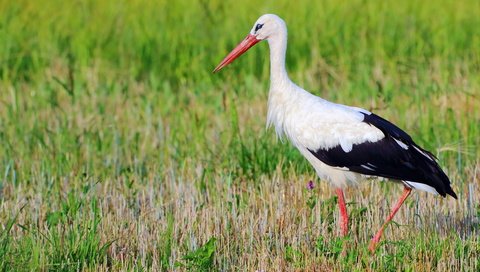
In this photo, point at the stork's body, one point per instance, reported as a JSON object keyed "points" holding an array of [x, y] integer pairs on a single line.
{"points": [[342, 143]]}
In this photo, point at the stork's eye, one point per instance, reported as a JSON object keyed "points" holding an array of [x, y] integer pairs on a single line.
{"points": [[258, 27]]}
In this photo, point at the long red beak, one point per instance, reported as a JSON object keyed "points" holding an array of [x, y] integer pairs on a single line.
{"points": [[241, 48]]}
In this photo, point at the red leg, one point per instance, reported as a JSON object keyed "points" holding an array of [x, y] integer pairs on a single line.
{"points": [[343, 212], [376, 238]]}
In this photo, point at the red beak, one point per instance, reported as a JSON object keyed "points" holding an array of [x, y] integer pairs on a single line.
{"points": [[248, 42]]}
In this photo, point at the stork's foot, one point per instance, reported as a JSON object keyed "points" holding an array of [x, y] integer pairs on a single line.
{"points": [[375, 240]]}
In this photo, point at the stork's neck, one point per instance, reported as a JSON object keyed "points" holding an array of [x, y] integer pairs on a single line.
{"points": [[278, 48], [282, 89]]}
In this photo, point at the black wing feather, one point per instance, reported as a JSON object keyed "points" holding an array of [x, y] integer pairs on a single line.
{"points": [[386, 158]]}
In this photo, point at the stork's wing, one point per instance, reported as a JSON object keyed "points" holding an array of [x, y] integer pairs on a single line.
{"points": [[394, 156]]}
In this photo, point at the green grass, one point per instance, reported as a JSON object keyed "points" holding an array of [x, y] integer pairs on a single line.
{"points": [[120, 150]]}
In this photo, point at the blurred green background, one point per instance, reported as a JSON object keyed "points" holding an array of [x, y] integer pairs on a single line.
{"points": [[121, 94]]}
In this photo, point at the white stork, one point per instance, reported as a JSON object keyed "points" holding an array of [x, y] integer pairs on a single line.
{"points": [[343, 144]]}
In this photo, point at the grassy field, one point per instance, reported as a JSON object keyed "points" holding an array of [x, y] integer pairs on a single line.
{"points": [[120, 150]]}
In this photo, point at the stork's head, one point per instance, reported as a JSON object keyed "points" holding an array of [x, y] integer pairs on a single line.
{"points": [[266, 27]]}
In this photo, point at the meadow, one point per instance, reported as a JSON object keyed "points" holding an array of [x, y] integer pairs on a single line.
{"points": [[121, 151]]}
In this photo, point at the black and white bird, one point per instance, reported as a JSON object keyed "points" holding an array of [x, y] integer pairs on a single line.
{"points": [[344, 144]]}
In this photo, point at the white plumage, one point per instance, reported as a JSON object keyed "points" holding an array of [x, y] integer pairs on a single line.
{"points": [[310, 122]]}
